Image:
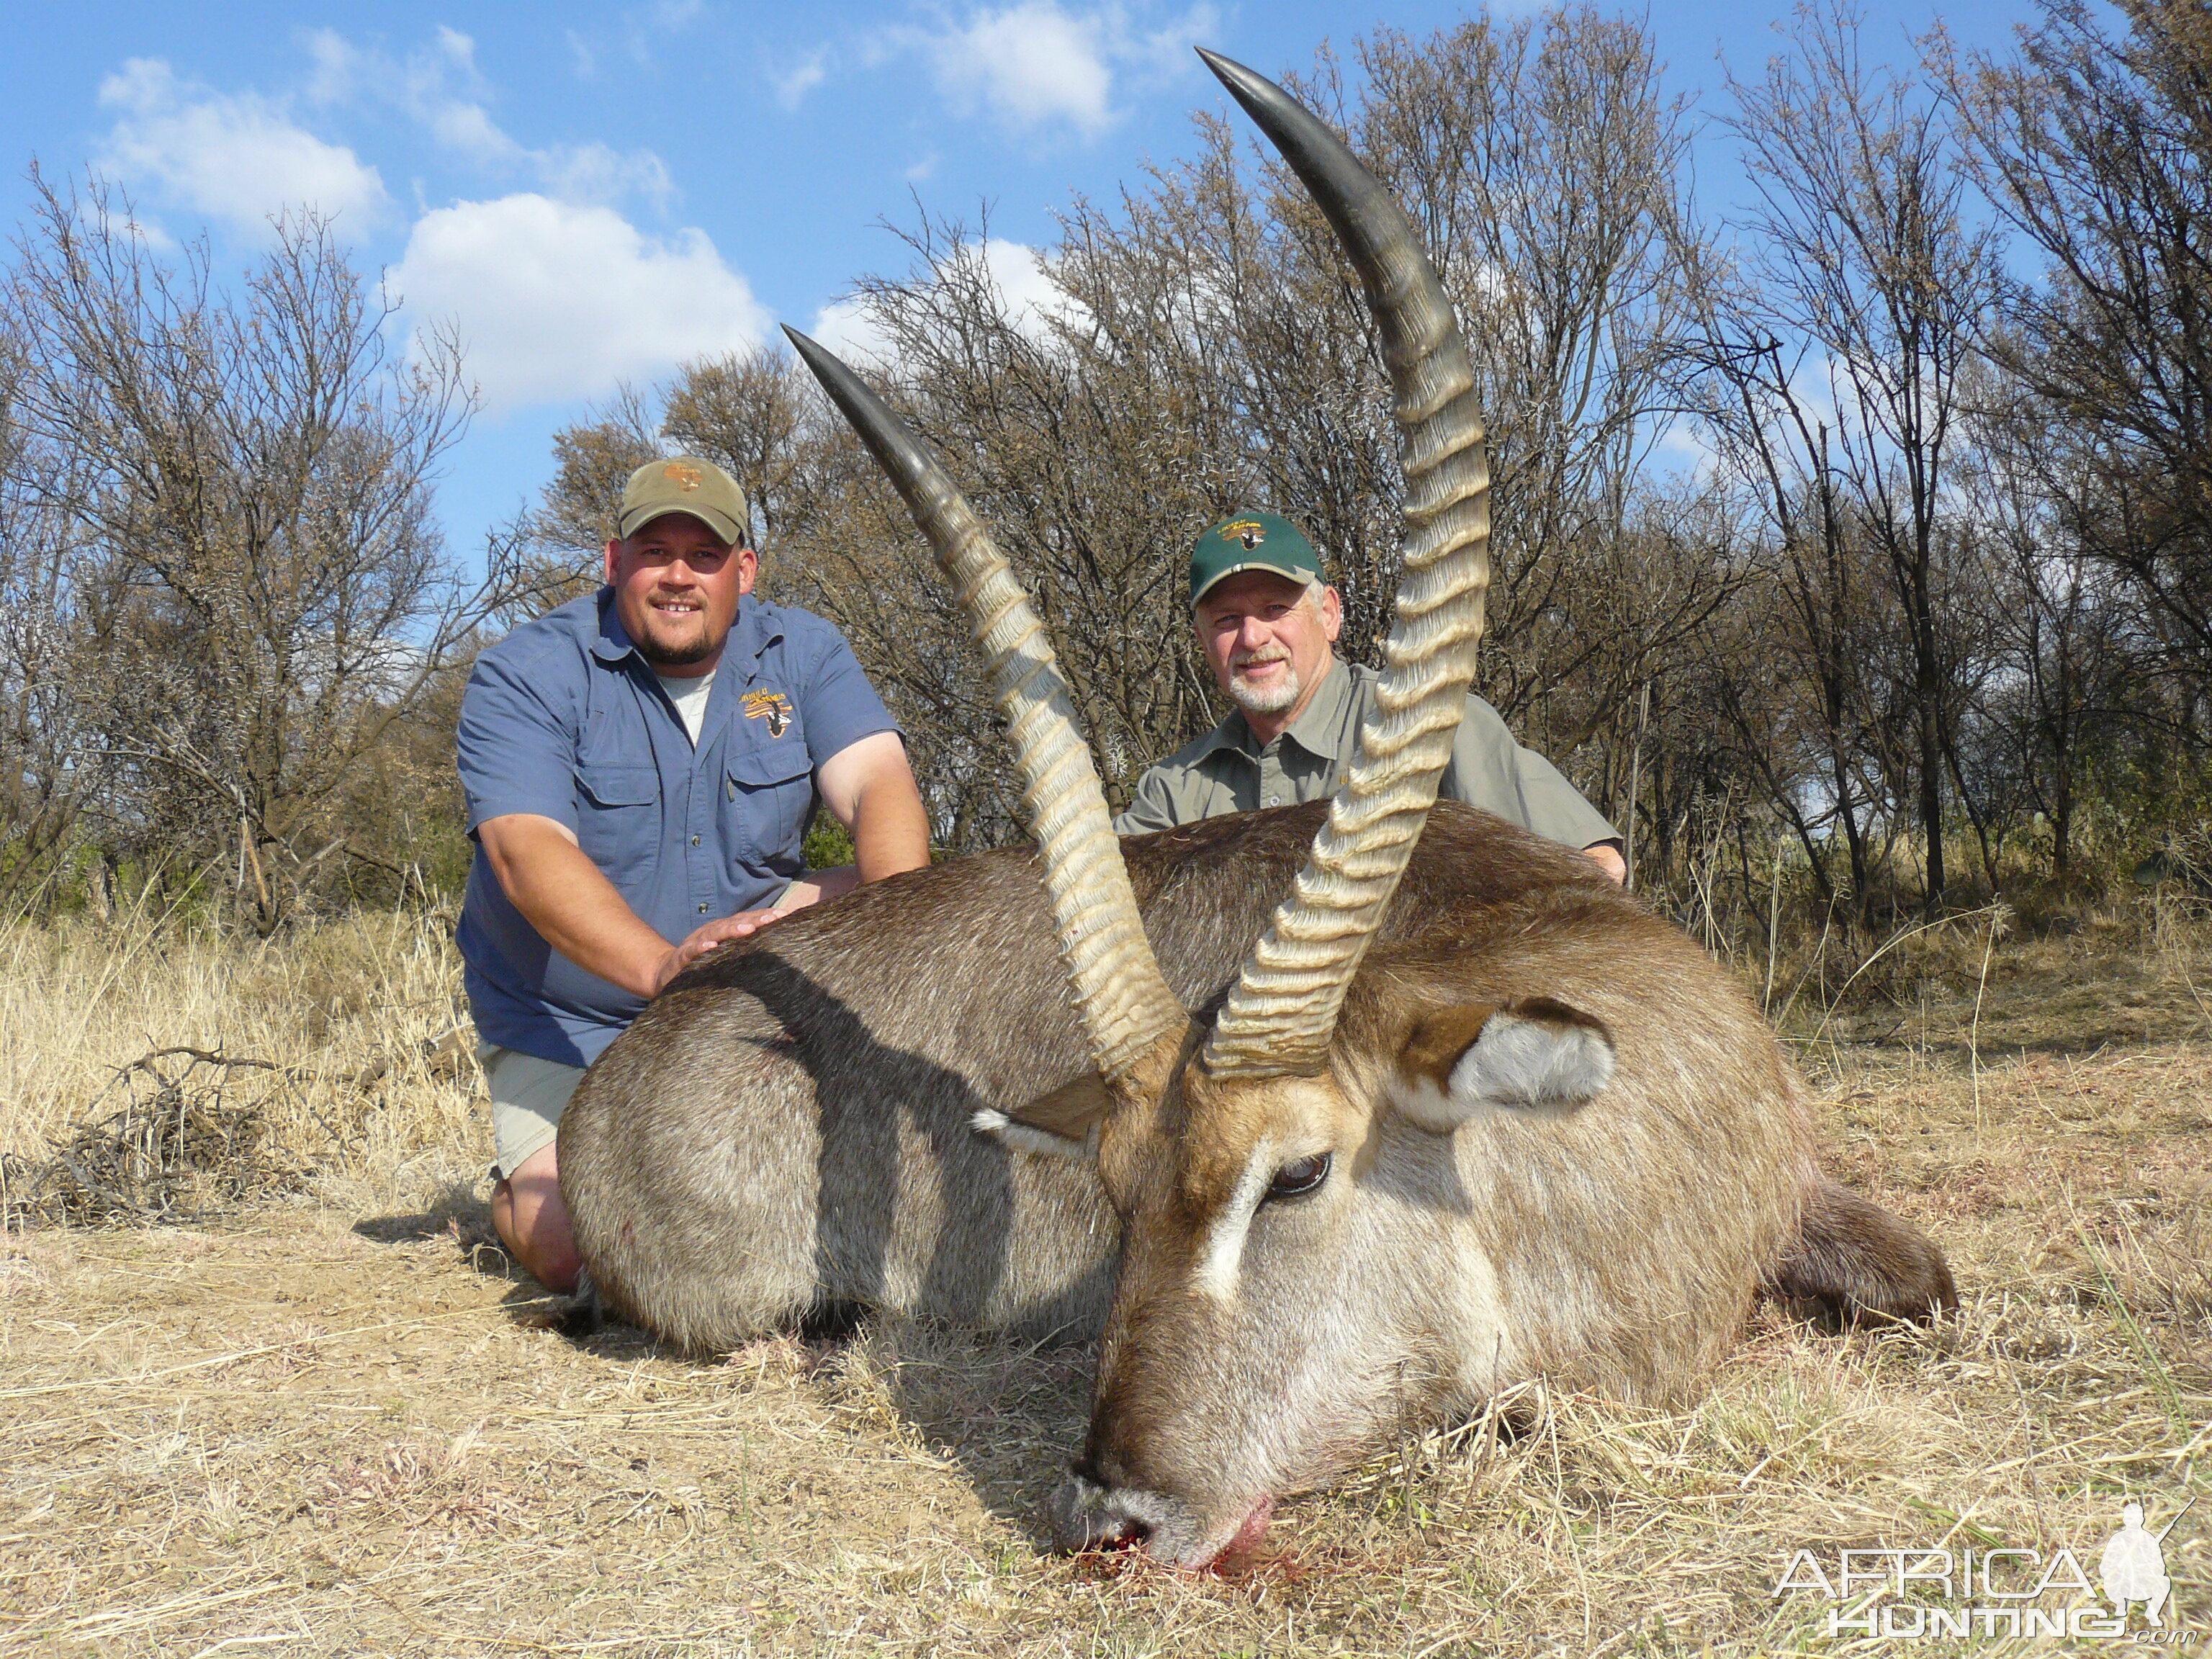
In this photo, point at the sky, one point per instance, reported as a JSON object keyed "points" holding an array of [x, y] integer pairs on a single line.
{"points": [[594, 194]]}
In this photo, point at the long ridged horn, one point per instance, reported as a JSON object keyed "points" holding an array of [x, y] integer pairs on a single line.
{"points": [[1280, 1017], [1125, 1004]]}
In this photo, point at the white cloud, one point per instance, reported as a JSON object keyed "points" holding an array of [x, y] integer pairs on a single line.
{"points": [[849, 328], [556, 301], [238, 157], [1030, 64], [1687, 447], [1037, 61], [439, 86], [1165, 52], [1026, 292], [594, 173], [793, 84], [1026, 289], [335, 61], [658, 25]]}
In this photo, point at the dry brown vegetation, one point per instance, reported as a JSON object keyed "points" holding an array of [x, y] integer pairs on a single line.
{"points": [[332, 1420]]}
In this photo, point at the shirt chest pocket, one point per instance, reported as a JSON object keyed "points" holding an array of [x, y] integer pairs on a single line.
{"points": [[766, 793], [618, 818]]}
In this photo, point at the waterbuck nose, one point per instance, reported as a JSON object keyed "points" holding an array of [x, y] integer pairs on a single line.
{"points": [[1174, 1530], [1083, 1519]]}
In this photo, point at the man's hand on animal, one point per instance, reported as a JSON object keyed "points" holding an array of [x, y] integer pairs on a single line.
{"points": [[641, 766], [700, 940], [576, 910]]}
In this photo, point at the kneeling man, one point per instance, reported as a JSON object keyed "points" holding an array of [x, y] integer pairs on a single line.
{"points": [[641, 766]]}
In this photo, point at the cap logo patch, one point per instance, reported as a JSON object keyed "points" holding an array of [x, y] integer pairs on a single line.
{"points": [[687, 477], [770, 706], [1248, 532]]}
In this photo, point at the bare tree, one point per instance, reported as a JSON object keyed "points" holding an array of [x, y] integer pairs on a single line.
{"points": [[1877, 615], [1873, 259], [1201, 347], [1207, 350], [2070, 651], [1549, 170], [1805, 736], [550, 552], [51, 770], [2095, 145], [258, 590], [751, 411]]}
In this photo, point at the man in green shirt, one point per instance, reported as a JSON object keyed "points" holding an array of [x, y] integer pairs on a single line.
{"points": [[1269, 625]]}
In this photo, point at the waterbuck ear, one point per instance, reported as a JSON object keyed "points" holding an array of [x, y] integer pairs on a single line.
{"points": [[1064, 1123], [1534, 1053]]}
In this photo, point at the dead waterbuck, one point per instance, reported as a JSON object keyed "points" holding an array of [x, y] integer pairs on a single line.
{"points": [[1463, 1116]]}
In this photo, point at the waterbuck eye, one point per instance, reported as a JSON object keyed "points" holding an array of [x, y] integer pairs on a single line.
{"points": [[1297, 1180]]}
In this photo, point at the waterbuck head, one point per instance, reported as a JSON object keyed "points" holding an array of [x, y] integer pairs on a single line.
{"points": [[1283, 1163]]}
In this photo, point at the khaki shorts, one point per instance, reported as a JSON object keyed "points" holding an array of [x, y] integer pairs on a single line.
{"points": [[528, 1096]]}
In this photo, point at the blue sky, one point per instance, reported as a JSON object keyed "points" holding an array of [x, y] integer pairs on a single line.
{"points": [[595, 193]]}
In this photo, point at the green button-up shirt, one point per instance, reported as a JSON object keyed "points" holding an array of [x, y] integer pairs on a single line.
{"points": [[1228, 770]]}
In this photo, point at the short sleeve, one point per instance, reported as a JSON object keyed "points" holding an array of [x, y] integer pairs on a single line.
{"points": [[517, 753], [1556, 810], [1491, 771], [1150, 807], [836, 703]]}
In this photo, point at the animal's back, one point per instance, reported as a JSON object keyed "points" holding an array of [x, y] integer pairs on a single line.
{"points": [[791, 1122]]}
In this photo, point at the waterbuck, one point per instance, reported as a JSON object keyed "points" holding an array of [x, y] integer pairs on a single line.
{"points": [[1464, 1114]]}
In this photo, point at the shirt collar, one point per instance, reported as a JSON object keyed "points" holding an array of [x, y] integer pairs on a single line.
{"points": [[1315, 729], [613, 643], [754, 630], [757, 628]]}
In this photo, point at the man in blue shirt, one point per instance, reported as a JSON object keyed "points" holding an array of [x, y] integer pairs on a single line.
{"points": [[639, 766]]}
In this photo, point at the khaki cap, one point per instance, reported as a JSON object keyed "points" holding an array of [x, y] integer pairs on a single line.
{"points": [[685, 483]]}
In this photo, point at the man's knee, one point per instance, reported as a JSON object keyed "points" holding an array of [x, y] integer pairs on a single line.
{"points": [[533, 1221]]}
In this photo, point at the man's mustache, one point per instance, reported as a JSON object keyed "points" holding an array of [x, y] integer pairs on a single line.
{"points": [[1265, 654]]}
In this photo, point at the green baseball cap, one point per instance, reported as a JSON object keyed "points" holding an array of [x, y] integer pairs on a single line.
{"points": [[685, 483], [1251, 541]]}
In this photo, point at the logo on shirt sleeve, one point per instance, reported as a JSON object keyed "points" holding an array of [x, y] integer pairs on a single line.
{"points": [[770, 706]]}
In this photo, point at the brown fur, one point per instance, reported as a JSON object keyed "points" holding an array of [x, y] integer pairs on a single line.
{"points": [[1440, 1038], [790, 1125], [1854, 1263], [1071, 1111]]}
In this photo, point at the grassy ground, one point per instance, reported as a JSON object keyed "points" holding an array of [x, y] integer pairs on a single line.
{"points": [[324, 1417]]}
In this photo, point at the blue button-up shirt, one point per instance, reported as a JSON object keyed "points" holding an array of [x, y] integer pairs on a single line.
{"points": [[564, 719]]}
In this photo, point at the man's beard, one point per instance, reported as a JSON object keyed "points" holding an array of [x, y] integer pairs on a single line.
{"points": [[698, 647], [678, 656], [1270, 699]]}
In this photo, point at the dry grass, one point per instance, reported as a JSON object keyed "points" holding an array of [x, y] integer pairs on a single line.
{"points": [[347, 1045], [336, 1423]]}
